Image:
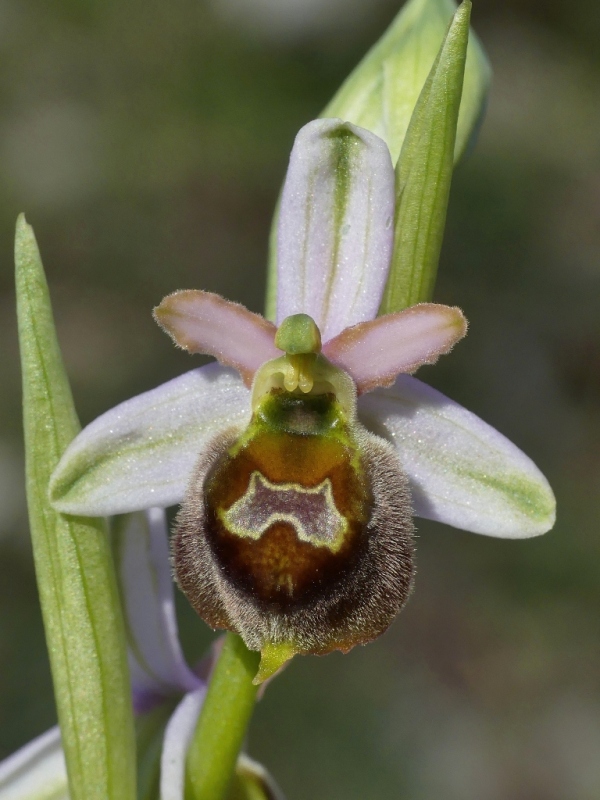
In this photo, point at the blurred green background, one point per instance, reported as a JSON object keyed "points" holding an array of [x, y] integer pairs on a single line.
{"points": [[146, 142]]}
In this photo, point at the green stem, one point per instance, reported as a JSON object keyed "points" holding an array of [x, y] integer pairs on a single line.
{"points": [[223, 721]]}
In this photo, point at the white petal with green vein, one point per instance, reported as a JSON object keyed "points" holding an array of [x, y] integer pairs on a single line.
{"points": [[141, 453], [335, 226], [178, 735], [461, 470]]}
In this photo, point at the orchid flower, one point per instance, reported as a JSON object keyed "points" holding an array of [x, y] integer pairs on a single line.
{"points": [[328, 374], [167, 694]]}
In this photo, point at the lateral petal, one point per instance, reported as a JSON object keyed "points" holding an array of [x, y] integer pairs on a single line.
{"points": [[141, 453], [462, 471], [203, 322], [335, 226], [374, 353], [156, 662]]}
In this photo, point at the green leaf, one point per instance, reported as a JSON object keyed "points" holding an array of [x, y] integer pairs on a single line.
{"points": [[424, 174], [74, 569], [382, 91]]}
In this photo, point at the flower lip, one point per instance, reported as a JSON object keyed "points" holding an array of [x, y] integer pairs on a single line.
{"points": [[296, 531]]}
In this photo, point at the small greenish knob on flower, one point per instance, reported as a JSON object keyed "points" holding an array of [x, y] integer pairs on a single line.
{"points": [[298, 335]]}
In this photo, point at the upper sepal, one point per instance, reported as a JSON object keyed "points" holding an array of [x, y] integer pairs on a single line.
{"points": [[335, 226]]}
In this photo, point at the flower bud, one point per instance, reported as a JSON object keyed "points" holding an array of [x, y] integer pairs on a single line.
{"points": [[296, 532], [381, 95], [382, 91]]}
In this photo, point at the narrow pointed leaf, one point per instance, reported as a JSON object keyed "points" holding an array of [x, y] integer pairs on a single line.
{"points": [[74, 569], [271, 293], [141, 453], [462, 471], [203, 322], [36, 771], [158, 668], [424, 174], [335, 226], [374, 353]]}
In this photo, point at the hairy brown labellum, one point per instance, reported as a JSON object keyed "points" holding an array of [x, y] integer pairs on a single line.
{"points": [[297, 532]]}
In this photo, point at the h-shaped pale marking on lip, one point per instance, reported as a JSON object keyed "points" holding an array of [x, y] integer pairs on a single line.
{"points": [[310, 510]]}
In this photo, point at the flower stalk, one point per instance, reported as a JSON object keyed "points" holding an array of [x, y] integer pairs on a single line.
{"points": [[221, 728]]}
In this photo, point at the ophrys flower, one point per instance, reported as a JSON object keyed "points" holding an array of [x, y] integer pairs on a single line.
{"points": [[296, 529]]}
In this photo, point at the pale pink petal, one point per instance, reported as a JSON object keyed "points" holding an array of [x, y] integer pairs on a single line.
{"points": [[202, 322], [335, 226], [374, 353]]}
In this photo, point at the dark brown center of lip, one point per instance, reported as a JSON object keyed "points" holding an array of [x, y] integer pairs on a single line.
{"points": [[286, 510]]}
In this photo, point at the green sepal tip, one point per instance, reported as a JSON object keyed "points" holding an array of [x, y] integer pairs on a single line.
{"points": [[273, 657]]}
